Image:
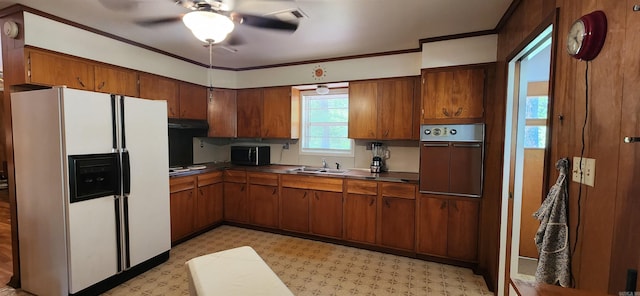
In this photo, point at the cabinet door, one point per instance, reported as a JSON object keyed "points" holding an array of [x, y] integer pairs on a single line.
{"points": [[249, 103], [276, 120], [434, 166], [113, 80], [294, 209], [193, 101], [463, 230], [467, 98], [182, 210], [326, 213], [466, 168], [222, 115], [363, 112], [395, 109], [209, 205], [436, 95], [155, 87], [397, 223], [236, 202], [432, 226], [55, 69], [360, 218], [263, 200]]}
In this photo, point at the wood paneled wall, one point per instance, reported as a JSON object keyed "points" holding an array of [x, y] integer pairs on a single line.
{"points": [[609, 232]]}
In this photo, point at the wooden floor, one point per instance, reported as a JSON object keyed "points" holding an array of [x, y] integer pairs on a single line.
{"points": [[6, 267]]}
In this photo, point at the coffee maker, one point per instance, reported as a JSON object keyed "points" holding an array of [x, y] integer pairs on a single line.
{"points": [[380, 154]]}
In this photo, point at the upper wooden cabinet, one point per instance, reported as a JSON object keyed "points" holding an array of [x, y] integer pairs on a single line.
{"points": [[249, 104], [267, 113], [222, 113], [115, 80], [453, 94], [382, 109], [50, 69], [192, 101], [156, 87]]}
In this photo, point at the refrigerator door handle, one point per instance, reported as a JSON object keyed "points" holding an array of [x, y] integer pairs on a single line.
{"points": [[113, 123], [122, 127], [127, 247], [118, 232], [126, 173]]}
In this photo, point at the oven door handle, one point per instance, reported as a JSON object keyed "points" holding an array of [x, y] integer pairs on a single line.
{"points": [[474, 145], [435, 144]]}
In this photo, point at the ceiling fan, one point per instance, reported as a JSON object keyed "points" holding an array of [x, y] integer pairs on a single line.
{"points": [[211, 21]]}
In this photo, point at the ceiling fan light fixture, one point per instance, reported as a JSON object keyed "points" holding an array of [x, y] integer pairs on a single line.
{"points": [[322, 89], [208, 26]]}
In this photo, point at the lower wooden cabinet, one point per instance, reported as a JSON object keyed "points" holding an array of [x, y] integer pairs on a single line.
{"points": [[360, 211], [448, 227], [325, 213], [210, 200], [195, 203], [397, 210], [263, 201], [294, 209], [312, 204], [181, 214], [397, 223], [236, 199]]}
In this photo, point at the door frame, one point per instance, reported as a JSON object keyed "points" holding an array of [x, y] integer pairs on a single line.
{"points": [[506, 202]]}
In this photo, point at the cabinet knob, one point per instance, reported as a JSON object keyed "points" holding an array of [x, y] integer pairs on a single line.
{"points": [[373, 200], [101, 85], [446, 112], [275, 190], [386, 202], [80, 81], [305, 195]]}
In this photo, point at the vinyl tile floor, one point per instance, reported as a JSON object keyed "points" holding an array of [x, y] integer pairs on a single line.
{"points": [[308, 268]]}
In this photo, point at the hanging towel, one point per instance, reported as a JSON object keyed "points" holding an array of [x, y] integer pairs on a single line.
{"points": [[552, 237]]}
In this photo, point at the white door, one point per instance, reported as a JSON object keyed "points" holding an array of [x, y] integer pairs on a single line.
{"points": [[88, 125], [92, 237], [147, 143]]}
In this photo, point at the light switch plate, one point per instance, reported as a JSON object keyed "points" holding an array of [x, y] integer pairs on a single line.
{"points": [[588, 169]]}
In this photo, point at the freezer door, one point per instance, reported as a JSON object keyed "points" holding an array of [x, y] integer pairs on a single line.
{"points": [[148, 201], [92, 242], [88, 122]]}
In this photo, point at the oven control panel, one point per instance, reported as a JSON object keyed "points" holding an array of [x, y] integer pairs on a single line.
{"points": [[452, 132]]}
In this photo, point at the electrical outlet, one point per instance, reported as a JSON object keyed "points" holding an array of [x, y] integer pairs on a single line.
{"points": [[588, 171], [285, 146]]}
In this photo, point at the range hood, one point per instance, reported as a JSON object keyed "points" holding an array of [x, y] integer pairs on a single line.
{"points": [[192, 124]]}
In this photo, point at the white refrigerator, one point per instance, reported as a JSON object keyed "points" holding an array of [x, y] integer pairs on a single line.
{"points": [[92, 189]]}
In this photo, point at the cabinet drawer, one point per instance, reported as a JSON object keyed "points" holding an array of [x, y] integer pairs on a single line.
{"points": [[182, 183], [268, 179], [312, 182], [362, 187], [209, 178], [398, 190], [235, 176]]}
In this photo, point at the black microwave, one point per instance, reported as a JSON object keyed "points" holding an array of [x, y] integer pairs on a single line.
{"points": [[251, 155]]}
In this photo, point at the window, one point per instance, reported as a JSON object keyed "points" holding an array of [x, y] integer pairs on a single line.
{"points": [[535, 130], [325, 123]]}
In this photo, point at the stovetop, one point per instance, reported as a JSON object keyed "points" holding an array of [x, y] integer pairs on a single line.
{"points": [[180, 169]]}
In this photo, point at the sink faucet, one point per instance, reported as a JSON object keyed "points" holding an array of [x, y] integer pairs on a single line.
{"points": [[337, 165], [324, 163]]}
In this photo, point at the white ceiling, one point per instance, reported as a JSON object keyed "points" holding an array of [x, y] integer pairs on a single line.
{"points": [[333, 28]]}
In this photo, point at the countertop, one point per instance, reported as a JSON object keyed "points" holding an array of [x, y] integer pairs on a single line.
{"points": [[363, 174]]}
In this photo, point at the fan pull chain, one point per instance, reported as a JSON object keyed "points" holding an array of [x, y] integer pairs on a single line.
{"points": [[210, 71]]}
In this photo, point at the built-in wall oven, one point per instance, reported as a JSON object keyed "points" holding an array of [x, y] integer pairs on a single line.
{"points": [[451, 159]]}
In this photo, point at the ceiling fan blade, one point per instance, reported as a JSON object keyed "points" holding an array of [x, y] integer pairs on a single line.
{"points": [[263, 22], [159, 21], [234, 39]]}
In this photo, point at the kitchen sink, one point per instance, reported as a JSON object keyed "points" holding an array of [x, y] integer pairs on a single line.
{"points": [[317, 170]]}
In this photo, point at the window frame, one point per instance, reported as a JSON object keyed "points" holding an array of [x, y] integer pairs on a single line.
{"points": [[304, 124]]}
